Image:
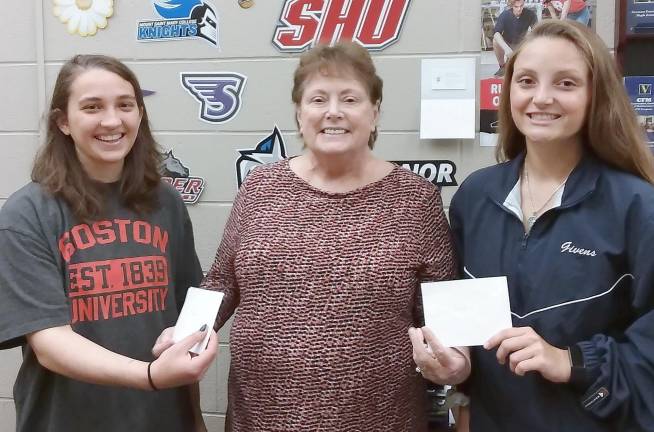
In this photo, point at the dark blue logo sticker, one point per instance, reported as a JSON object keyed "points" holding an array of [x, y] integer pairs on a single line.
{"points": [[174, 172], [182, 19], [438, 172], [219, 93], [270, 149]]}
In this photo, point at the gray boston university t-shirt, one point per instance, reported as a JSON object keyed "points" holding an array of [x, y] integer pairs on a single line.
{"points": [[118, 281]]}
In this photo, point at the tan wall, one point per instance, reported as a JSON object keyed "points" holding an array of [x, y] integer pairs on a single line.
{"points": [[33, 45]]}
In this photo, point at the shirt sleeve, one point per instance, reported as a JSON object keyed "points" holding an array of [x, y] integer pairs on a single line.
{"points": [[222, 274], [618, 377], [32, 296], [188, 271], [438, 261], [499, 25]]}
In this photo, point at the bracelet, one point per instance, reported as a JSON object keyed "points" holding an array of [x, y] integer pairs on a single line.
{"points": [[154, 387]]}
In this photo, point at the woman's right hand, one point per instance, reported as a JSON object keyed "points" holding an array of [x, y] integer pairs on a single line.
{"points": [[176, 366], [437, 363]]}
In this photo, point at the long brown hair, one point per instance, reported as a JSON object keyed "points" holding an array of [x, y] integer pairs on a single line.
{"points": [[343, 58], [60, 172], [611, 130]]}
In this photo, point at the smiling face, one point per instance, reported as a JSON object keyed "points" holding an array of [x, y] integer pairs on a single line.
{"points": [[550, 92], [336, 115], [102, 118]]}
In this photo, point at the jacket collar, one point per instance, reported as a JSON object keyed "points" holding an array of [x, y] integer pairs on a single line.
{"points": [[581, 182]]}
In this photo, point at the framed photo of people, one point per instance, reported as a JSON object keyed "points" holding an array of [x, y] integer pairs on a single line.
{"points": [[504, 24]]}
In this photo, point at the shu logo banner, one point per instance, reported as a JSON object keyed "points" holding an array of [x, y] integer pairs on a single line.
{"points": [[174, 172], [118, 287], [219, 93], [182, 19], [438, 172], [270, 149], [375, 24]]}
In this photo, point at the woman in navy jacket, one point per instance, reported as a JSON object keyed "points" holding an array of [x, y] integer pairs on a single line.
{"points": [[568, 217]]}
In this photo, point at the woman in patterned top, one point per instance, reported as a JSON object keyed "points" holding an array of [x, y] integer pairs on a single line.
{"points": [[323, 255]]}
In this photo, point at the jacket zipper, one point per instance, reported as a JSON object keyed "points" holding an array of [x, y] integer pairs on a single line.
{"points": [[600, 394], [525, 235]]}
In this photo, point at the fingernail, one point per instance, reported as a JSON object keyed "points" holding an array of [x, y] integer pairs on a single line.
{"points": [[203, 328]]}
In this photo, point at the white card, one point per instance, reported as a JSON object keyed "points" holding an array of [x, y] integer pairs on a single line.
{"points": [[200, 307], [466, 312]]}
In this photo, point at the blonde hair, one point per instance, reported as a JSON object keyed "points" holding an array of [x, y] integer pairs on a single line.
{"points": [[611, 131]]}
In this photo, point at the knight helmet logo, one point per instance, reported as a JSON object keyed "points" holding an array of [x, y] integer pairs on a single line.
{"points": [[182, 19], [207, 22], [375, 24], [270, 149], [219, 93], [174, 172]]}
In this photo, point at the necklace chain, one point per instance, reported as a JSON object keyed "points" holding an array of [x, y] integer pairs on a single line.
{"points": [[534, 214]]}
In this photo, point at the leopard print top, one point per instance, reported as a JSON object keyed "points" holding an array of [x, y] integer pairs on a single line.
{"points": [[326, 286]]}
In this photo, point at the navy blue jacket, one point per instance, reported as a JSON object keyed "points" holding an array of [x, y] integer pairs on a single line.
{"points": [[583, 275]]}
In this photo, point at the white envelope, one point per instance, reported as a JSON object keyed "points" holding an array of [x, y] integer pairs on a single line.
{"points": [[200, 307], [466, 312]]}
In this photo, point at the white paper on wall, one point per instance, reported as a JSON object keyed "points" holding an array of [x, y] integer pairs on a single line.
{"points": [[447, 98], [447, 118]]}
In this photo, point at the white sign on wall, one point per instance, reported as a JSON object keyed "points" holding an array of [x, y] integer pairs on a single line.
{"points": [[447, 105]]}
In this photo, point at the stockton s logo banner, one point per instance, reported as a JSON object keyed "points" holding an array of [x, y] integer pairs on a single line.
{"points": [[115, 287], [375, 24], [219, 93]]}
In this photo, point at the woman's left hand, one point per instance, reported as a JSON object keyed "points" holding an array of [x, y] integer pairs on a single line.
{"points": [[527, 351], [437, 363]]}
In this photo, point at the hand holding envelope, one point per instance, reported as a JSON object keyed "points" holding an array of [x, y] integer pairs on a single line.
{"points": [[462, 313], [200, 308], [466, 312], [477, 312], [193, 334], [437, 363], [526, 351]]}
